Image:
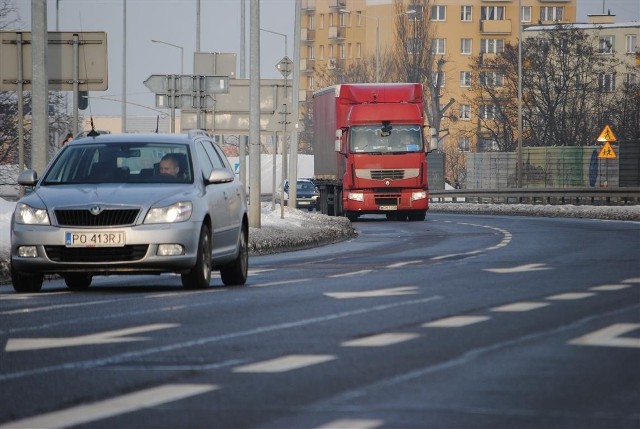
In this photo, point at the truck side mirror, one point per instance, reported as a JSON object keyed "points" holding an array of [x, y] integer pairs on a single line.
{"points": [[338, 141]]}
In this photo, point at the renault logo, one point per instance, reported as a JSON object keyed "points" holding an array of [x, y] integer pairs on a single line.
{"points": [[387, 182], [95, 210]]}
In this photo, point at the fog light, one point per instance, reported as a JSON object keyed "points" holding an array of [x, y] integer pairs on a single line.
{"points": [[170, 250], [27, 252], [356, 196], [419, 195]]}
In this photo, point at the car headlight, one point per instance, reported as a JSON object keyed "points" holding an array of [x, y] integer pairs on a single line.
{"points": [[356, 196], [30, 215], [178, 212], [418, 195]]}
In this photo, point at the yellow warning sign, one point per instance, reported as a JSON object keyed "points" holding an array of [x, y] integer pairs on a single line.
{"points": [[607, 152], [607, 135]]}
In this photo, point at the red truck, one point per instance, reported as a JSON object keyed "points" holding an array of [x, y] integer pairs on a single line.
{"points": [[369, 151]]}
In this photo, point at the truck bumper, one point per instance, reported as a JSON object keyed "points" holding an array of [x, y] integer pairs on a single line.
{"points": [[370, 201]]}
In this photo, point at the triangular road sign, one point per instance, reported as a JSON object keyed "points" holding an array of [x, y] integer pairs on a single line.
{"points": [[607, 152], [607, 135]]}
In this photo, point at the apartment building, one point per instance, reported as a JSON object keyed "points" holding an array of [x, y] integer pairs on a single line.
{"points": [[335, 33]]}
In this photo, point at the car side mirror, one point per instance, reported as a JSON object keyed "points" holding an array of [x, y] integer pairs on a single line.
{"points": [[220, 175], [28, 178]]}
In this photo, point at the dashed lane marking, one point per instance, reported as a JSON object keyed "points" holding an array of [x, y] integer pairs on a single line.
{"points": [[403, 264], [281, 282], [519, 269], [353, 273], [506, 239], [455, 321], [520, 306], [633, 280], [353, 424], [569, 296], [610, 336], [285, 363], [380, 340], [82, 414], [408, 290], [606, 288]]}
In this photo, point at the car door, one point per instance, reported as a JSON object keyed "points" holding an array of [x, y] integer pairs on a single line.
{"points": [[216, 200]]}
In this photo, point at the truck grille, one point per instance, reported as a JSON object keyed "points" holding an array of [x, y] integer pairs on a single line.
{"points": [[387, 174], [387, 199], [108, 217], [96, 254]]}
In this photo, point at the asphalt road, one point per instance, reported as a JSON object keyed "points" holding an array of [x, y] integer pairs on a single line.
{"points": [[458, 321]]}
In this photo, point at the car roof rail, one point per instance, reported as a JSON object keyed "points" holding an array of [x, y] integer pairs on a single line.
{"points": [[196, 132]]}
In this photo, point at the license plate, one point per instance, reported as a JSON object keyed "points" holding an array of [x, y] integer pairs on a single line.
{"points": [[94, 239], [388, 207]]}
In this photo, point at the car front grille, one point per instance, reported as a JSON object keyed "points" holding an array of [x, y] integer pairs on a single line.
{"points": [[108, 217], [96, 254]]}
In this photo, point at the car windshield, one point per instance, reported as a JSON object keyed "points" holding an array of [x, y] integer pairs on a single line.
{"points": [[121, 163], [401, 139]]}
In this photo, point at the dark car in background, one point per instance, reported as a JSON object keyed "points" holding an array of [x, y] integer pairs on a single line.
{"points": [[105, 205], [307, 194]]}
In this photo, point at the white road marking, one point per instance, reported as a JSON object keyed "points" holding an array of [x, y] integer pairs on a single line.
{"points": [[605, 288], [82, 414], [455, 321], [570, 296], [633, 280], [108, 337], [403, 264], [407, 290], [278, 283], [610, 336], [285, 363], [506, 239], [353, 273], [352, 424], [31, 310], [520, 306], [380, 340], [519, 269]]}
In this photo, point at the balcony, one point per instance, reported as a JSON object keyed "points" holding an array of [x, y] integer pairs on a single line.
{"points": [[496, 26], [307, 35], [337, 33], [308, 6], [307, 65], [335, 64], [337, 4]]}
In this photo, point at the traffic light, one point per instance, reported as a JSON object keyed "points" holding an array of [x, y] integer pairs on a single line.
{"points": [[83, 100]]}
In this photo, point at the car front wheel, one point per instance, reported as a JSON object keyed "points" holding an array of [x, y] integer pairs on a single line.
{"points": [[24, 283], [236, 272], [78, 281], [200, 275]]}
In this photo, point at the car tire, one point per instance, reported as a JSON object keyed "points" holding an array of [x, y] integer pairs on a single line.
{"points": [[25, 283], [236, 273], [78, 281], [200, 275]]}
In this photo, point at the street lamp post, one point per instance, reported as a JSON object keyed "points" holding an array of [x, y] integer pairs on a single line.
{"points": [[181, 53], [377, 18]]}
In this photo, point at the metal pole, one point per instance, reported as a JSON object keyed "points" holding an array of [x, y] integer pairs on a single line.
{"points": [[242, 155], [39, 85], [254, 115], [76, 81], [377, 49], [293, 145], [519, 171], [124, 66]]}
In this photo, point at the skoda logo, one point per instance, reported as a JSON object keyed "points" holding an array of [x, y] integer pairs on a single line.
{"points": [[95, 210], [387, 182]]}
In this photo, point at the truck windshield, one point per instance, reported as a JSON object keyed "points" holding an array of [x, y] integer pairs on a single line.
{"points": [[403, 138]]}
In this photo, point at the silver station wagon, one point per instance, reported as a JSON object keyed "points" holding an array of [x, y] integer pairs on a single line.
{"points": [[132, 204]]}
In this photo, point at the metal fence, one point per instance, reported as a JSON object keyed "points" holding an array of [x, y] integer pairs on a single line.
{"points": [[556, 167]]}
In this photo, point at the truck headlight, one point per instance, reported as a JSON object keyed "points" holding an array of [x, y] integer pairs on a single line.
{"points": [[28, 215], [178, 212], [418, 195], [356, 196]]}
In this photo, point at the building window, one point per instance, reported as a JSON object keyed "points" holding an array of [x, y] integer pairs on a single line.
{"points": [[414, 45], [438, 46], [322, 52], [464, 144], [311, 52], [488, 111], [632, 43], [465, 46], [491, 46], [465, 112], [525, 14], [414, 12], [551, 13], [438, 79], [465, 78], [359, 18], [344, 19], [631, 80], [342, 51], [607, 82], [310, 83], [358, 50], [321, 20], [465, 13], [606, 44], [490, 79], [311, 23], [438, 13], [492, 13]]}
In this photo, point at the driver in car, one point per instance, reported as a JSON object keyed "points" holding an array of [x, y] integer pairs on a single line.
{"points": [[169, 165]]}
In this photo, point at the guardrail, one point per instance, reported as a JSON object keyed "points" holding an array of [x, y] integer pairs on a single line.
{"points": [[559, 196]]}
